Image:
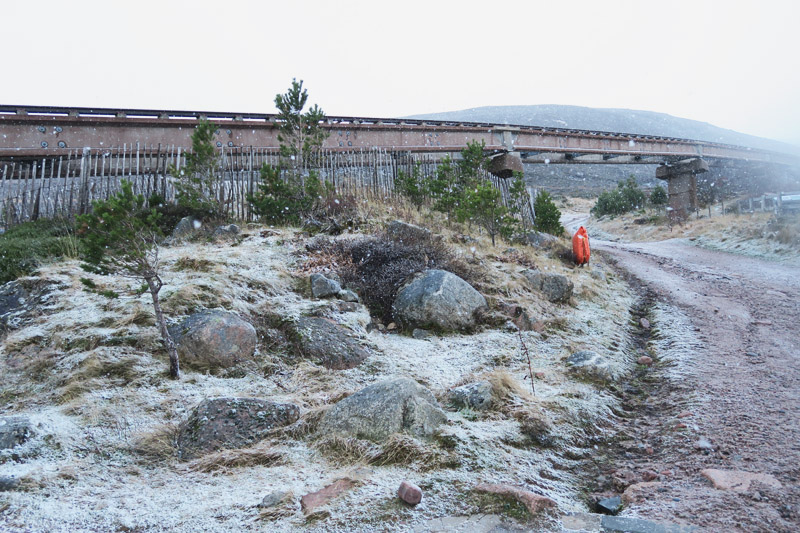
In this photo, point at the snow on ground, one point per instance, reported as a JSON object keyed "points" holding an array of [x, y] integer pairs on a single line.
{"points": [[94, 401]]}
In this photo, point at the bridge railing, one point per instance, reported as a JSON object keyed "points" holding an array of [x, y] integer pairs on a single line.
{"points": [[66, 185]]}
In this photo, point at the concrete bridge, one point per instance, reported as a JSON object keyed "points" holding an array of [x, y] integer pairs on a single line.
{"points": [[30, 132]]}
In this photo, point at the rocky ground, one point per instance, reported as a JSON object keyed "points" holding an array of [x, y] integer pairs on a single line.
{"points": [[95, 437], [666, 379]]}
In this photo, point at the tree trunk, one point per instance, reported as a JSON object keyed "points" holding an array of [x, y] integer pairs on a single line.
{"points": [[174, 363]]}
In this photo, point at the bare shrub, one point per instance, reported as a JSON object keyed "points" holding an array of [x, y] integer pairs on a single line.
{"points": [[377, 266]]}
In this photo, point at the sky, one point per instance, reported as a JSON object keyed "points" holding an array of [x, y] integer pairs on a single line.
{"points": [[734, 64]]}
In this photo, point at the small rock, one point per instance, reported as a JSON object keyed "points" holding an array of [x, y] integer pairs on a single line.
{"points": [[645, 360], [348, 295], [225, 233], [409, 493], [421, 334], [590, 364], [640, 491], [8, 483], [322, 287], [637, 525], [666, 472], [274, 499], [649, 475], [187, 227], [539, 375], [392, 326], [14, 430], [684, 414], [680, 425], [477, 396], [534, 503], [349, 307], [310, 502], [649, 450], [751, 354], [609, 505], [704, 444], [645, 323], [555, 287], [737, 481]]}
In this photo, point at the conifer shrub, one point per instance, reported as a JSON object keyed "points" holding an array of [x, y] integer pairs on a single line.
{"points": [[626, 197], [548, 216]]}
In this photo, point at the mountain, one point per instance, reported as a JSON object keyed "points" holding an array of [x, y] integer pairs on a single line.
{"points": [[617, 120]]}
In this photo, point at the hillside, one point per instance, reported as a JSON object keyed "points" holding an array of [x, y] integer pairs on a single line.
{"points": [[618, 120]]}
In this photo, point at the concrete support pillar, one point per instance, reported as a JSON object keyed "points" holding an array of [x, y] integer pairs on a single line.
{"points": [[504, 165], [682, 186]]}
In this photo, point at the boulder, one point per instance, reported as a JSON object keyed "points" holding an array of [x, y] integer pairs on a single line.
{"points": [[590, 364], [214, 339], [225, 233], [21, 299], [223, 423], [438, 299], [322, 287], [14, 430], [326, 343], [398, 230], [555, 287], [538, 239], [476, 396], [348, 296], [187, 227], [380, 410]]}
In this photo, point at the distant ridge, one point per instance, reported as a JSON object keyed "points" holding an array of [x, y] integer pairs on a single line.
{"points": [[617, 120]]}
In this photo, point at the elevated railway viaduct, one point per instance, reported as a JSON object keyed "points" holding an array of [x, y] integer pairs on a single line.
{"points": [[30, 132]]}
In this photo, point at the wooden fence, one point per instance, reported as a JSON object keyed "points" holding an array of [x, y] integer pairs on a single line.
{"points": [[65, 186]]}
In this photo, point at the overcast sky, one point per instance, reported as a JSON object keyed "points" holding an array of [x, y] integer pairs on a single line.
{"points": [[732, 63]]}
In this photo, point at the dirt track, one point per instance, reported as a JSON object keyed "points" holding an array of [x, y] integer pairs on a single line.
{"points": [[740, 391]]}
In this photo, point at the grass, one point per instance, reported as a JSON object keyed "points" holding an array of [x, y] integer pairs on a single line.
{"points": [[398, 449], [25, 247], [193, 264], [159, 445], [239, 458]]}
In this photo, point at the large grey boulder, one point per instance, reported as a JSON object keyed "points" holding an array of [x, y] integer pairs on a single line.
{"points": [[590, 364], [14, 430], [385, 408], [555, 287], [326, 343], [322, 287], [437, 299], [214, 339], [22, 299], [223, 423]]}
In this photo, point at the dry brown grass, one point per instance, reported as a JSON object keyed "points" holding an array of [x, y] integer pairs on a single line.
{"points": [[159, 445], [399, 449], [226, 460], [506, 389], [306, 425], [139, 315], [191, 298], [193, 264]]}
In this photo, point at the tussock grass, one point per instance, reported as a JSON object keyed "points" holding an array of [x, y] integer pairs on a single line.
{"points": [[225, 460], [399, 449], [306, 425], [159, 445], [139, 315], [191, 298], [505, 389], [193, 264]]}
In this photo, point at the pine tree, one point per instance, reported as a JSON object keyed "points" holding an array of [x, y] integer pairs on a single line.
{"points": [[196, 178], [299, 133], [121, 237], [548, 216]]}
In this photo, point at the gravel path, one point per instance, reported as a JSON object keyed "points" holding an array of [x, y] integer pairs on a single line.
{"points": [[736, 407]]}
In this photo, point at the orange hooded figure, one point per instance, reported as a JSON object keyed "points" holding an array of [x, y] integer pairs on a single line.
{"points": [[580, 246]]}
